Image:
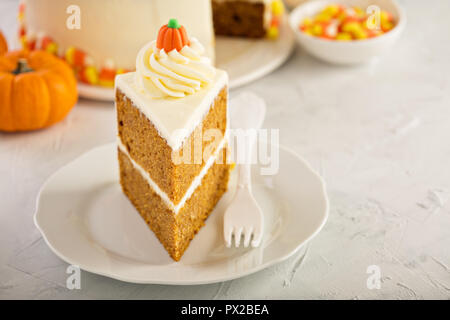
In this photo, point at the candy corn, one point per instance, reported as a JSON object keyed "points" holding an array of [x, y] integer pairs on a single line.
{"points": [[336, 22], [107, 74], [277, 8], [276, 11], [89, 75], [83, 64]]}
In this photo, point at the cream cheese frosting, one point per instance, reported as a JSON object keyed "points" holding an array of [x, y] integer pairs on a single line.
{"points": [[175, 73], [174, 118]]}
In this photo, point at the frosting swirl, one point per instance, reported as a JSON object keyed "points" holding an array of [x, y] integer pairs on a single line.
{"points": [[174, 74]]}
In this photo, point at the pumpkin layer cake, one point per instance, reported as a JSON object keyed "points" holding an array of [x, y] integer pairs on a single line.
{"points": [[172, 128]]}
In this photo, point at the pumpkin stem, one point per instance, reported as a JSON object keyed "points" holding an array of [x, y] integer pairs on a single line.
{"points": [[22, 67], [173, 23]]}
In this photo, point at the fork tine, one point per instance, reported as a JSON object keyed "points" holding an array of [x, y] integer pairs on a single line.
{"points": [[228, 233], [247, 236], [237, 236], [257, 236]]}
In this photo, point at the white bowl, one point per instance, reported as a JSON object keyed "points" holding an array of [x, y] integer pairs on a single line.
{"points": [[347, 52]]}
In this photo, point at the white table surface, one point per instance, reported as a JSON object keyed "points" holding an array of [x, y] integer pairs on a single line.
{"points": [[378, 134]]}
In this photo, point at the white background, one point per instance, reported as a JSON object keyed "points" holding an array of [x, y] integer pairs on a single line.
{"points": [[378, 134]]}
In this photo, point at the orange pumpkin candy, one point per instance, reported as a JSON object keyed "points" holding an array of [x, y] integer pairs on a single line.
{"points": [[3, 44], [36, 90], [172, 36]]}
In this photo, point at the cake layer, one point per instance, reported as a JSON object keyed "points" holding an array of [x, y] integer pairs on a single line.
{"points": [[219, 156], [174, 231], [241, 18], [148, 148], [115, 30]]}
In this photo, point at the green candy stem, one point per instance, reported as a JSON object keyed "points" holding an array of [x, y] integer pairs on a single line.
{"points": [[173, 23]]}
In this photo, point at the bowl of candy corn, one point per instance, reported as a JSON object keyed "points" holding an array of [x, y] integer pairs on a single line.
{"points": [[347, 31]]}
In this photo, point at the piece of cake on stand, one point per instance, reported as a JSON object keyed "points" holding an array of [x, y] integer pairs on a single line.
{"points": [[172, 131]]}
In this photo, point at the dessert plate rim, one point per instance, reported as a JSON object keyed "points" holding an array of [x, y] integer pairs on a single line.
{"points": [[153, 278]]}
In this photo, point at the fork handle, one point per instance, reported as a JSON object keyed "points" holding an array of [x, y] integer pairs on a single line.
{"points": [[245, 173]]}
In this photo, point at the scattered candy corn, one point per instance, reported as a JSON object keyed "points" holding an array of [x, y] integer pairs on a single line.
{"points": [[336, 22], [107, 74], [83, 64], [276, 10], [89, 75], [272, 32]]}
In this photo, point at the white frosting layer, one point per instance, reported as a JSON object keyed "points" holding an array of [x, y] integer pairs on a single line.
{"points": [[174, 118], [194, 185], [175, 73]]}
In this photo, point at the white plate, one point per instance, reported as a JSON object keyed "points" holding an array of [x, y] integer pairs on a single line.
{"points": [[245, 60], [87, 221]]}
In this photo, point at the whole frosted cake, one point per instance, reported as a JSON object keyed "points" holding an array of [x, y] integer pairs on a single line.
{"points": [[100, 38], [110, 32], [172, 128]]}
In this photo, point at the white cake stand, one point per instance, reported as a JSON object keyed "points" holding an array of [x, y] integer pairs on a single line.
{"points": [[245, 60]]}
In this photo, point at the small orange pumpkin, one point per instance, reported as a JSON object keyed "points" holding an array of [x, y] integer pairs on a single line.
{"points": [[36, 90], [172, 36], [3, 44]]}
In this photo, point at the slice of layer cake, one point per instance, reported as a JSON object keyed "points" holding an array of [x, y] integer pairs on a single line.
{"points": [[172, 127]]}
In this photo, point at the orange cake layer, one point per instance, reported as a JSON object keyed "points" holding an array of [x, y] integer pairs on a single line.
{"points": [[239, 18], [147, 148], [174, 231]]}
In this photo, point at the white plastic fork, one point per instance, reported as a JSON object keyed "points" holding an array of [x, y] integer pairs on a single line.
{"points": [[244, 216]]}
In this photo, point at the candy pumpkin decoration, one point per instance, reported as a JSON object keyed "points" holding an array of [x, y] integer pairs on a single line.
{"points": [[3, 44], [172, 36], [36, 90]]}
